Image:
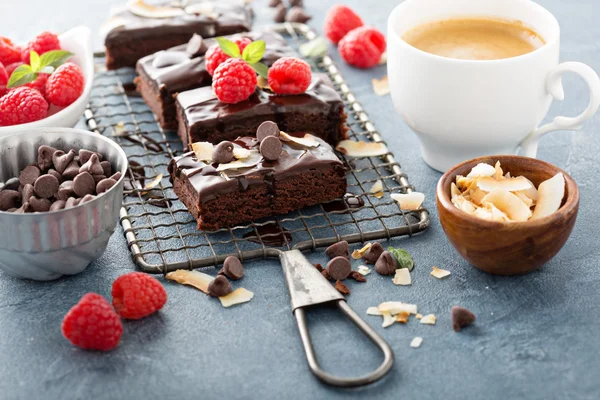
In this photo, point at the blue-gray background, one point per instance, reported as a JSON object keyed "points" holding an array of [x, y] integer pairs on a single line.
{"points": [[536, 336]]}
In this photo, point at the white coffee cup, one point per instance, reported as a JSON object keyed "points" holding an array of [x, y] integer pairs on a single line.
{"points": [[462, 109]]}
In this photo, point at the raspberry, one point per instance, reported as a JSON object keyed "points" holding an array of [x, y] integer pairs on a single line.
{"points": [[22, 105], [39, 84], [289, 75], [215, 55], [9, 53], [42, 43], [3, 80], [339, 21], [92, 324], [136, 295], [11, 67], [234, 81], [362, 47], [65, 85]]}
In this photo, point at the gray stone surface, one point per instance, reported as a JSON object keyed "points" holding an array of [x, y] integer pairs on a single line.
{"points": [[536, 336]]}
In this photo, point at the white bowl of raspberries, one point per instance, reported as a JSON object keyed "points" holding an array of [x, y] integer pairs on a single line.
{"points": [[47, 82]]}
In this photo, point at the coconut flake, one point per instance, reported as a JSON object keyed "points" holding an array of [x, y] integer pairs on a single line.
{"points": [[119, 129], [418, 316], [197, 279], [377, 189], [238, 296], [409, 201], [463, 204], [476, 196], [381, 87], [240, 153], [428, 319], [402, 277], [363, 270], [416, 342], [203, 8], [388, 319], [439, 273], [361, 149], [373, 311], [203, 151], [454, 192], [550, 195], [481, 169], [168, 58], [509, 204], [394, 307], [152, 184], [141, 9], [307, 141], [488, 184], [253, 159], [498, 175], [358, 253]]}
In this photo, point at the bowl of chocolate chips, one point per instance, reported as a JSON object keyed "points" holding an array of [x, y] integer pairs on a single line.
{"points": [[61, 191]]}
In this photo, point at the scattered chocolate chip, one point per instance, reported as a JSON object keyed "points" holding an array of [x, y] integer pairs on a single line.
{"points": [[372, 255], [297, 14], [98, 178], [85, 155], [84, 184], [275, 3], [44, 158], [326, 274], [72, 202], [196, 46], [27, 191], [270, 148], [29, 174], [46, 186], [295, 3], [104, 185], [219, 287], [57, 205], [39, 205], [61, 160], [65, 190], [357, 276], [9, 199], [386, 264], [339, 268], [12, 184], [339, 249], [106, 167], [461, 317], [25, 208], [87, 198], [55, 174], [342, 288], [71, 171], [319, 267], [233, 268], [223, 153], [116, 176], [92, 165], [279, 15]]}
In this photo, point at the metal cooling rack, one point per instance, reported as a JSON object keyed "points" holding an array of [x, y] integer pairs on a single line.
{"points": [[161, 233]]}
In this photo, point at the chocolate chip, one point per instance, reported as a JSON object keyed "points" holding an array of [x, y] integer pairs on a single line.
{"points": [[84, 184], [297, 14], [326, 274], [296, 3], [116, 176], [223, 153], [71, 171], [71, 202], [233, 268], [9, 199], [92, 165], [29, 174], [219, 287], [39, 205], [340, 287], [372, 255], [44, 158], [27, 191], [104, 185], [461, 317], [87, 198], [62, 161], [270, 148], [85, 155], [65, 190], [196, 46], [357, 276], [274, 3], [106, 167], [267, 128], [25, 208], [386, 264], [98, 178], [339, 268], [339, 249], [46, 186], [57, 205], [12, 184], [55, 174], [279, 15]]}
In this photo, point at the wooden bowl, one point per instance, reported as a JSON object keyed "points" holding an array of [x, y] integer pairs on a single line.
{"points": [[508, 248]]}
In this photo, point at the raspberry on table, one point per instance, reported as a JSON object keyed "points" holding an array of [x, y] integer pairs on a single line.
{"points": [[215, 56], [234, 81], [65, 85], [92, 324], [289, 75], [339, 21], [362, 47], [3, 80], [22, 105], [42, 43], [9, 52], [136, 295]]}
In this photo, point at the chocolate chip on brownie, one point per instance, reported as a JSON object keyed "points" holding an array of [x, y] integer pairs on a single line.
{"points": [[270, 148], [196, 46], [267, 128], [223, 153], [339, 249], [219, 287]]}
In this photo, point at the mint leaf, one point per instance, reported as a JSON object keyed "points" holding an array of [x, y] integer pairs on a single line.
{"points": [[54, 58], [254, 51], [315, 48], [21, 75], [34, 60], [403, 257], [261, 69], [229, 47]]}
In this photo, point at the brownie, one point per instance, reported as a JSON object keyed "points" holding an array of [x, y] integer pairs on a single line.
{"points": [[319, 111], [302, 176], [165, 73], [136, 34]]}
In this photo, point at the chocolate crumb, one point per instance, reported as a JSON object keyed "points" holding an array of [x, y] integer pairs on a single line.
{"points": [[319, 267], [342, 288], [461, 317], [326, 274], [372, 254], [357, 276], [386, 264], [280, 12]]}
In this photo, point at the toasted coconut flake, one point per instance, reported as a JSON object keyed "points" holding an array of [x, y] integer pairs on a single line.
{"points": [[358, 253], [416, 342], [361, 149], [464, 183], [388, 319], [152, 184], [307, 141], [550, 195], [373, 311], [409, 201], [418, 316], [532, 192], [402, 277], [402, 317], [454, 190], [119, 129], [395, 307], [428, 319], [141, 9], [484, 213], [498, 175], [480, 170], [238, 296], [253, 159], [463, 204], [381, 87], [363, 270], [439, 273], [509, 204], [240, 153], [377, 189], [203, 150], [205, 8], [524, 198], [488, 184], [197, 279], [476, 195]]}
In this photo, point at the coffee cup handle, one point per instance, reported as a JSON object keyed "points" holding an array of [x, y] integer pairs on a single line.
{"points": [[555, 88]]}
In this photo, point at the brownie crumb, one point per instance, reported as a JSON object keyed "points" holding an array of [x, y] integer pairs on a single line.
{"points": [[357, 276], [461, 317], [325, 274], [319, 267], [342, 288]]}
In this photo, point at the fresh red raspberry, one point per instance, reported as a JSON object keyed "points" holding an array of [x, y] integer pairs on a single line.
{"points": [[11, 67], [42, 43], [215, 56], [136, 295], [65, 85], [92, 324], [289, 75], [39, 84], [362, 47], [9, 52], [3, 80], [339, 21], [234, 81], [22, 105]]}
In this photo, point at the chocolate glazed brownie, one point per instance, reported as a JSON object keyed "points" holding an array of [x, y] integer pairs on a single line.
{"points": [[319, 111], [181, 68], [300, 177], [141, 29]]}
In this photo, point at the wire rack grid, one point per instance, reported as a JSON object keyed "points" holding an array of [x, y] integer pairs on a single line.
{"points": [[161, 233]]}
